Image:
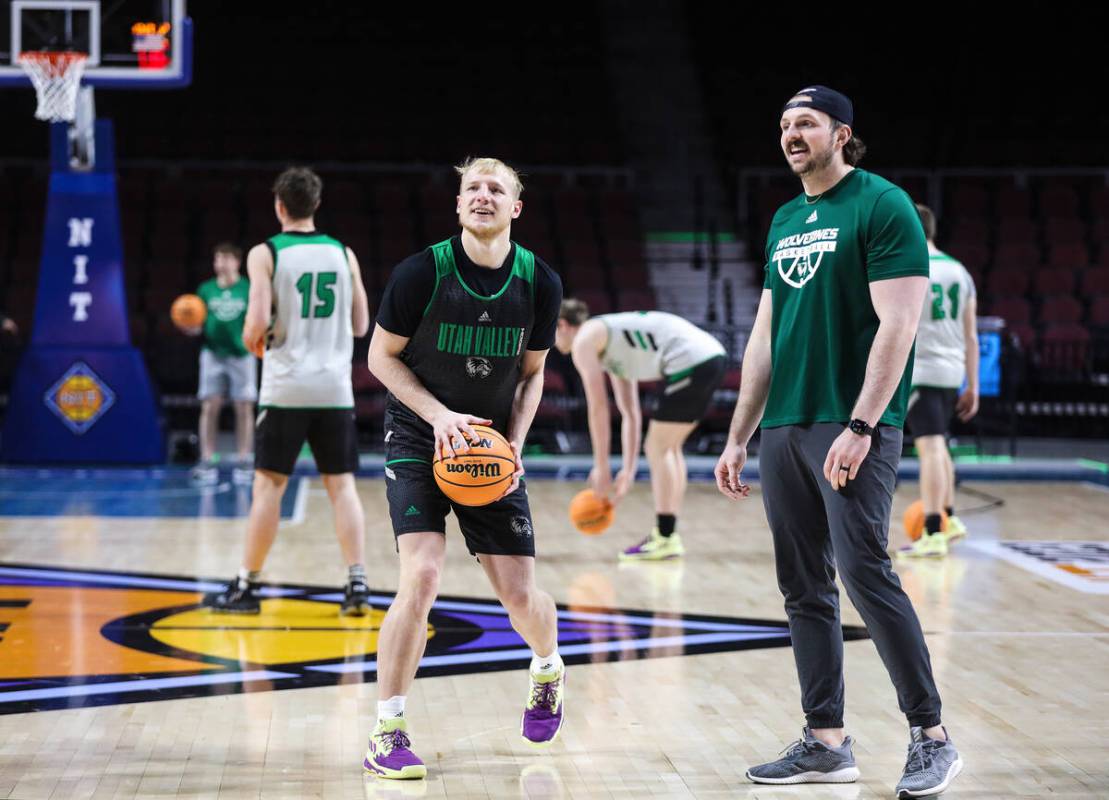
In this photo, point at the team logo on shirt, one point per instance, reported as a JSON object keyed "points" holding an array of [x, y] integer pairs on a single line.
{"points": [[798, 257], [478, 368], [227, 307]]}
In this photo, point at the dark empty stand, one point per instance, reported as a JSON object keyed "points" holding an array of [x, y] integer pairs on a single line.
{"points": [[1059, 281], [1096, 281], [554, 410], [1099, 313], [636, 300], [1064, 347], [1011, 309], [1011, 282]]}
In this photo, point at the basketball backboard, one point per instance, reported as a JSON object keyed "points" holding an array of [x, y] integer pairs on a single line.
{"points": [[131, 44]]}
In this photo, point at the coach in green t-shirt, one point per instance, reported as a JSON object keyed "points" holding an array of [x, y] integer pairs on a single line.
{"points": [[226, 368], [827, 371]]}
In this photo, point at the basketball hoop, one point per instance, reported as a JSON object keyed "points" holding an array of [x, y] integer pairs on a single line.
{"points": [[56, 76]]}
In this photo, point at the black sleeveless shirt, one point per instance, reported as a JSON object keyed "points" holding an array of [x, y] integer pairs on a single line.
{"points": [[468, 348]]}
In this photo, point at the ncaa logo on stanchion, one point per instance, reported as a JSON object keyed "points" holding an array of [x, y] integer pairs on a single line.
{"points": [[79, 398]]}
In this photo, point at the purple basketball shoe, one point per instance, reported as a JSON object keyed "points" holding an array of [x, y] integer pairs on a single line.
{"points": [[388, 755], [543, 714]]}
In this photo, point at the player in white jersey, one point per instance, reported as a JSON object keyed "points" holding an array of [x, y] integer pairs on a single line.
{"points": [[307, 300], [946, 353], [643, 346]]}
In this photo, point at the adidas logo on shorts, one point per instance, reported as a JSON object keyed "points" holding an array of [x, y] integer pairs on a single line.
{"points": [[412, 511]]}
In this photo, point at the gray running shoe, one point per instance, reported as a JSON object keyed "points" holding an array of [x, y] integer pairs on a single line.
{"points": [[809, 760], [931, 766]]}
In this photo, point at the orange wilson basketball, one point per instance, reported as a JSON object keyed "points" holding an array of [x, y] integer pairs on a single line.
{"points": [[914, 520], [590, 514], [188, 311], [478, 477]]}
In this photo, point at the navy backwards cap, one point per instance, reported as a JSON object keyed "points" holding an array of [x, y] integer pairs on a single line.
{"points": [[837, 106]]}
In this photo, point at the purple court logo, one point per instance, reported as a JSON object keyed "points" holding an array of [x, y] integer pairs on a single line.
{"points": [[114, 637]]}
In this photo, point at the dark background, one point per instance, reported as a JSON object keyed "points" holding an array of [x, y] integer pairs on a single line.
{"points": [[998, 119], [427, 83]]}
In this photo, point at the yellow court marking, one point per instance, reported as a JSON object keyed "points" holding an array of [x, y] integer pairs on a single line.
{"points": [[286, 632]]}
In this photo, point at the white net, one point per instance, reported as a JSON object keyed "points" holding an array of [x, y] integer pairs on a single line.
{"points": [[56, 77]]}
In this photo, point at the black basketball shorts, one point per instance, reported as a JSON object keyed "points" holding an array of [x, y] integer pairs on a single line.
{"points": [[416, 504], [685, 397], [502, 528], [930, 410], [279, 434]]}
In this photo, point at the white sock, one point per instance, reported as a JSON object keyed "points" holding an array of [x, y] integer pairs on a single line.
{"points": [[391, 708], [546, 665], [247, 576]]}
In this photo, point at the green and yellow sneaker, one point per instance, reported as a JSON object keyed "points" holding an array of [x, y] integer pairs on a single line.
{"points": [[955, 529], [927, 546], [655, 547]]}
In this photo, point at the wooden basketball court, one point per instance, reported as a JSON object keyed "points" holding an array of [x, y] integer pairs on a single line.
{"points": [[1020, 658]]}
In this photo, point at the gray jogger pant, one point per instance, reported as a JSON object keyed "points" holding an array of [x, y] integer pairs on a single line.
{"points": [[817, 529]]}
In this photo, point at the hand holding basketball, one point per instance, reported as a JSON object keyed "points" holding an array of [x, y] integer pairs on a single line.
{"points": [[257, 347], [517, 473], [453, 430], [591, 514], [483, 474], [600, 481]]}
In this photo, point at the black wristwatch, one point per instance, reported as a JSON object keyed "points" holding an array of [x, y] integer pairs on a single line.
{"points": [[860, 427]]}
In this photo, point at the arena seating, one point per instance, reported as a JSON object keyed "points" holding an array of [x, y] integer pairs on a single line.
{"points": [[172, 217]]}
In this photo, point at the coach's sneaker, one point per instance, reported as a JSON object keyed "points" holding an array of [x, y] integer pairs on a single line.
{"points": [[543, 713], [932, 545], [356, 599], [655, 547], [389, 756], [809, 760], [237, 598], [955, 529], [931, 766]]}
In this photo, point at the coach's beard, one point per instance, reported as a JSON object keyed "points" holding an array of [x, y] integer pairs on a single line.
{"points": [[814, 165]]}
